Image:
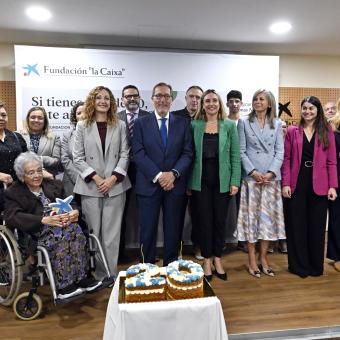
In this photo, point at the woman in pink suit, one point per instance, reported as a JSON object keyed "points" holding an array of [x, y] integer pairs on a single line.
{"points": [[309, 177]]}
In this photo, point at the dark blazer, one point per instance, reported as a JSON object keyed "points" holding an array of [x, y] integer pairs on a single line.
{"points": [[132, 167], [324, 167], [151, 158], [123, 116], [23, 210], [182, 113]]}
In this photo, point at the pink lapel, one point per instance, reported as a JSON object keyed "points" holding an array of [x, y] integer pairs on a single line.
{"points": [[299, 141]]}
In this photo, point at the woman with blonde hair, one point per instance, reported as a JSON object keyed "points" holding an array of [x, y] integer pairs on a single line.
{"points": [[41, 140], [101, 156], [214, 179], [260, 216]]}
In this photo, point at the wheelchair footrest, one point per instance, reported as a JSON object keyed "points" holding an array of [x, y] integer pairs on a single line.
{"points": [[59, 301], [108, 282]]}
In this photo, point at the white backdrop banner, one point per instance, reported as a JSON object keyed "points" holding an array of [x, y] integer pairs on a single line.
{"points": [[56, 78]]}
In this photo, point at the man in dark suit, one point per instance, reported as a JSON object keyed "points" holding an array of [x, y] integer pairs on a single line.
{"points": [[163, 152], [193, 97], [131, 101]]}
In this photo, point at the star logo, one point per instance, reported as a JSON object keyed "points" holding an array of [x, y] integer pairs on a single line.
{"points": [[62, 205], [283, 108], [31, 68]]}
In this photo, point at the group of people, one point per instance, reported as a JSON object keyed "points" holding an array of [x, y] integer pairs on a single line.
{"points": [[196, 157]]}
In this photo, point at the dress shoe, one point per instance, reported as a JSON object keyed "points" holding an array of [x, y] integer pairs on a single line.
{"points": [[268, 271], [208, 277], [222, 276], [337, 266], [283, 246], [255, 273]]}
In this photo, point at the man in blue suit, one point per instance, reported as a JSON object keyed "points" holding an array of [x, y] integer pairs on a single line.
{"points": [[163, 151]]}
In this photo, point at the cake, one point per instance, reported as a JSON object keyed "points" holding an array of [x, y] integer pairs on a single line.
{"points": [[184, 280], [139, 268], [143, 283]]}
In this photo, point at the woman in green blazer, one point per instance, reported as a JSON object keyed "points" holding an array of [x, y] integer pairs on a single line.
{"points": [[215, 177]]}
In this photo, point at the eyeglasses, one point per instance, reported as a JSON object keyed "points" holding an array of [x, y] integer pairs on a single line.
{"points": [[32, 173], [160, 96], [130, 96]]}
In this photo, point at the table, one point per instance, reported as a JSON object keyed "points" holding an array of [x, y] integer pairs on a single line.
{"points": [[197, 319]]}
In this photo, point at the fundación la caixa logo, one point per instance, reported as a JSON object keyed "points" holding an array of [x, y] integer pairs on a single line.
{"points": [[30, 69]]}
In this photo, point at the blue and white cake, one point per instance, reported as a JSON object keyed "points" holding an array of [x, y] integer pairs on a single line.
{"points": [[184, 279], [143, 283]]}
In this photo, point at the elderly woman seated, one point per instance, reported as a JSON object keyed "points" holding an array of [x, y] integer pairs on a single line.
{"points": [[27, 209]]}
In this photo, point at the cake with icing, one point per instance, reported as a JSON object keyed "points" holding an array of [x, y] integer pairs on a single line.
{"points": [[139, 268], [184, 280], [143, 283]]}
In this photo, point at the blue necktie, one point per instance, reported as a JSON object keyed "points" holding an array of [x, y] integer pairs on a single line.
{"points": [[163, 131]]}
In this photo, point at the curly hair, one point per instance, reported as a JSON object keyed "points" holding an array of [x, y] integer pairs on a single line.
{"points": [[46, 126], [89, 116], [201, 114], [73, 116], [271, 111]]}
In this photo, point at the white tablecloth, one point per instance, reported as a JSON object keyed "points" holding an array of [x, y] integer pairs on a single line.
{"points": [[197, 319]]}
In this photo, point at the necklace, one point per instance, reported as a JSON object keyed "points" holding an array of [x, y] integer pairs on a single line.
{"points": [[212, 122]]}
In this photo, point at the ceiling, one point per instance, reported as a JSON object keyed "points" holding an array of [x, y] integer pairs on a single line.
{"points": [[239, 26]]}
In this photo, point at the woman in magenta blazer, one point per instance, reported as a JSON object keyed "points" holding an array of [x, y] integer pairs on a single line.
{"points": [[309, 177]]}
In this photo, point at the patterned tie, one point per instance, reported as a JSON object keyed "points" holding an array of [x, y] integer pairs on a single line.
{"points": [[164, 132], [131, 123]]}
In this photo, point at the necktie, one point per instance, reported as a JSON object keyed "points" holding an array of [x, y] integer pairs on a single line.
{"points": [[164, 132], [131, 123]]}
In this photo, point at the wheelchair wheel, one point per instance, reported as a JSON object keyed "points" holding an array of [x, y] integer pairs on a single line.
{"points": [[10, 267], [27, 310]]}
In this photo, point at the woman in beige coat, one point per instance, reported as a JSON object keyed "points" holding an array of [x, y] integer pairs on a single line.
{"points": [[101, 156]]}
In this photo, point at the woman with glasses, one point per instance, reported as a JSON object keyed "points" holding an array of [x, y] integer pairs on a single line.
{"points": [[260, 216], [214, 179], [11, 145], [309, 179], [101, 157], [41, 140], [27, 209]]}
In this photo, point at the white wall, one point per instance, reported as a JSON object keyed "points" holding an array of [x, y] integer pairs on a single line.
{"points": [[309, 71], [7, 62], [295, 70]]}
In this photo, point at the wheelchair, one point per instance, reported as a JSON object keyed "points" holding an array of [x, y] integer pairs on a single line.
{"points": [[28, 305]]}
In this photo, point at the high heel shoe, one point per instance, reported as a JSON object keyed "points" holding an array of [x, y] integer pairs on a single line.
{"points": [[222, 276], [208, 277], [255, 273], [268, 271]]}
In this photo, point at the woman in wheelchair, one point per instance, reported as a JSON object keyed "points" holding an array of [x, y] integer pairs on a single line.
{"points": [[27, 209]]}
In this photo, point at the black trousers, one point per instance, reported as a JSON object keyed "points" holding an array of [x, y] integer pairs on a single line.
{"points": [[210, 208], [305, 219], [194, 228], [333, 244]]}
